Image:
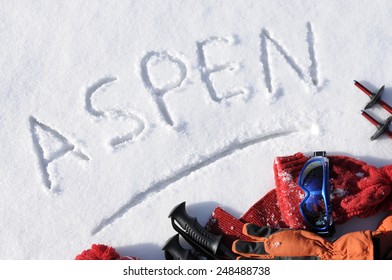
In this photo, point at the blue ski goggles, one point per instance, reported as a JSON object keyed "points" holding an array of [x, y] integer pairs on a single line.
{"points": [[316, 206]]}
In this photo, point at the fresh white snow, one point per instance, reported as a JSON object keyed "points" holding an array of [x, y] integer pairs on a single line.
{"points": [[113, 112]]}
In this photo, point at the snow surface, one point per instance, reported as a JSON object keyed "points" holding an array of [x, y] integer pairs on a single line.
{"points": [[113, 112]]}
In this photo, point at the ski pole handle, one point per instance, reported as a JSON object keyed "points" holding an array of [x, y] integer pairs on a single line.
{"points": [[174, 251], [202, 240], [190, 229]]}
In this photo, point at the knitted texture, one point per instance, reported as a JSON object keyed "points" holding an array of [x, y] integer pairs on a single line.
{"points": [[357, 189], [263, 212], [266, 212], [221, 222], [98, 252], [102, 252]]}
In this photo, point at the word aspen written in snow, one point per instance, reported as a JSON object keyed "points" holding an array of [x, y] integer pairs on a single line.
{"points": [[50, 145]]}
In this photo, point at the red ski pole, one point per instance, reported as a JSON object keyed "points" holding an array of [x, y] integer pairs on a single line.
{"points": [[374, 97], [381, 127]]}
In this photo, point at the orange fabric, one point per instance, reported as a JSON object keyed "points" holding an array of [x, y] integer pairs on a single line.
{"points": [[352, 246], [294, 243], [300, 243], [384, 236]]}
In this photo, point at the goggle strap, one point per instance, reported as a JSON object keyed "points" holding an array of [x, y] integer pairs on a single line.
{"points": [[320, 154]]}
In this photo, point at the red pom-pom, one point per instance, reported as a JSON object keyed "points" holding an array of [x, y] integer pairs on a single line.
{"points": [[98, 252]]}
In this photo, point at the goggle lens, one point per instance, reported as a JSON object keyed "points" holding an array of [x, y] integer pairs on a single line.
{"points": [[314, 181], [314, 210]]}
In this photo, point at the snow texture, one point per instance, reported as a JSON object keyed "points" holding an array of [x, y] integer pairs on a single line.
{"points": [[113, 112]]}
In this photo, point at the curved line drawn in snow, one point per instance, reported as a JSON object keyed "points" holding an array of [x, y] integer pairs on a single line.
{"points": [[156, 187]]}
